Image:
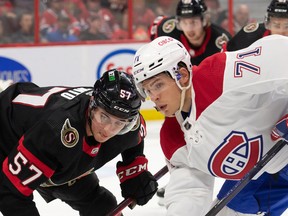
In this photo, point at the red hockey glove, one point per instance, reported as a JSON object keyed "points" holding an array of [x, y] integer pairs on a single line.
{"points": [[280, 130], [135, 181]]}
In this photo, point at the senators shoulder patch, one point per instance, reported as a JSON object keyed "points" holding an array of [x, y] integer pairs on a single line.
{"points": [[221, 40], [169, 25], [69, 135], [251, 27]]}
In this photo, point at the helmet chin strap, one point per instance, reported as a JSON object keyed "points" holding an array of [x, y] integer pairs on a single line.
{"points": [[183, 93]]}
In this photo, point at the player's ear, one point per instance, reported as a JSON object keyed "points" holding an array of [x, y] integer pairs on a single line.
{"points": [[185, 76]]}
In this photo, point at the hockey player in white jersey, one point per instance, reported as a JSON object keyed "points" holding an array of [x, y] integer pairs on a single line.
{"points": [[226, 109]]}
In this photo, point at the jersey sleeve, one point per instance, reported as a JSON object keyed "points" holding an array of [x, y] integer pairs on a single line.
{"points": [[24, 170], [30, 163], [164, 26], [246, 36]]}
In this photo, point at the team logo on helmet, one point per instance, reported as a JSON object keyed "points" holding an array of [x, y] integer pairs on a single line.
{"points": [[251, 27], [221, 40], [235, 156], [69, 135], [169, 26]]}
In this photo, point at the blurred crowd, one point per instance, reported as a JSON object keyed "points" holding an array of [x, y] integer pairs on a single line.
{"points": [[86, 20]]}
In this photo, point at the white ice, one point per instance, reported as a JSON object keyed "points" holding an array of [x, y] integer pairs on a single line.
{"points": [[109, 179]]}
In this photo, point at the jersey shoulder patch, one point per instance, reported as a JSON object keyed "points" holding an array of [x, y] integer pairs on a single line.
{"points": [[169, 25], [221, 40], [69, 135], [251, 27]]}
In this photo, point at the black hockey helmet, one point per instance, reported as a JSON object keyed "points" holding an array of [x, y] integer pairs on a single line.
{"points": [[277, 8], [116, 93], [190, 8]]}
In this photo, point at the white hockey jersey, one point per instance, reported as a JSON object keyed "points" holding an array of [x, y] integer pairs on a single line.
{"points": [[237, 97]]}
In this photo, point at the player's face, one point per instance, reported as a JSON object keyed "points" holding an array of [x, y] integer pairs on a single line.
{"points": [[104, 126], [192, 28], [278, 26], [164, 92]]}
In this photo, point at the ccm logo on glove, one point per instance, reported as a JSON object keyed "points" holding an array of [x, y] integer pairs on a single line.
{"points": [[130, 171], [136, 181]]}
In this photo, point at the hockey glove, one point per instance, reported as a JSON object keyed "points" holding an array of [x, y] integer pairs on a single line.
{"points": [[280, 130], [135, 181]]}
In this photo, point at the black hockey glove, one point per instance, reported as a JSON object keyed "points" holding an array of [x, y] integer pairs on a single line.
{"points": [[136, 182]]}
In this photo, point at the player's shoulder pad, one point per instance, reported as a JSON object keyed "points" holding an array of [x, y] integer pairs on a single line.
{"points": [[221, 36], [251, 27], [221, 40], [169, 25], [162, 26]]}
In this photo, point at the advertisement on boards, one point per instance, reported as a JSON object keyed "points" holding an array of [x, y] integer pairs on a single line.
{"points": [[69, 65]]}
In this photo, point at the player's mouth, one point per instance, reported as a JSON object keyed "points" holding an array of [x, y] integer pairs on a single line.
{"points": [[162, 108], [103, 135]]}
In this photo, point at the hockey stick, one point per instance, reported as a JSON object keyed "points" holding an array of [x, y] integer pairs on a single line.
{"points": [[130, 201], [247, 178]]}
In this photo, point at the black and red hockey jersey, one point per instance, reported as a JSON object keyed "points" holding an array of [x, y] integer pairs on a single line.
{"points": [[213, 42], [43, 138], [246, 36]]}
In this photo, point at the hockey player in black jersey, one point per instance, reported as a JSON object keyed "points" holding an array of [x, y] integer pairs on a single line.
{"points": [[193, 28], [52, 139], [276, 22]]}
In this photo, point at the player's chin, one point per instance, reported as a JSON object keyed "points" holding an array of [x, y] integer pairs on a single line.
{"points": [[101, 138], [167, 113]]}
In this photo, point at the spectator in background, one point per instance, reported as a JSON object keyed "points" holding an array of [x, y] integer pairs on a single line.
{"points": [[77, 9], [163, 7], [119, 9], [143, 16], [25, 33], [120, 12], [8, 16], [3, 37], [242, 16], [61, 33], [21, 6], [50, 16], [109, 23], [213, 10], [93, 31]]}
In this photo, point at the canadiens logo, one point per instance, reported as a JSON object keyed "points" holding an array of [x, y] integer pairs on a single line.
{"points": [[169, 25], [69, 135], [251, 27], [235, 156]]}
